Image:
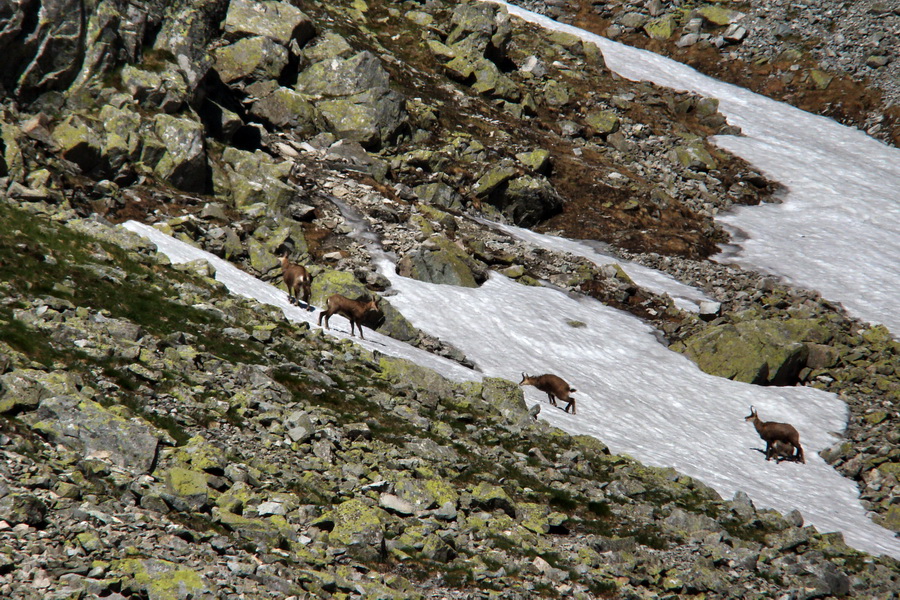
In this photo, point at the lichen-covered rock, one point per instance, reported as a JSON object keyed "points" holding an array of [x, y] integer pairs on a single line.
{"points": [[439, 261], [762, 352], [186, 32], [480, 30], [439, 194], [695, 156], [165, 89], [279, 21], [250, 59], [183, 164], [252, 177], [165, 580], [41, 46], [505, 396], [79, 141], [490, 497], [25, 388], [23, 508], [373, 117], [661, 28], [89, 429], [358, 527], [527, 200], [537, 161], [602, 121], [189, 488], [287, 109], [122, 142]]}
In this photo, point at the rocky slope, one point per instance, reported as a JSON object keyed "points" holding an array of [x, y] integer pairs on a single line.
{"points": [[164, 440]]}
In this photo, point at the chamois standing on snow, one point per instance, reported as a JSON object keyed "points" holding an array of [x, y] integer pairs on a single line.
{"points": [[297, 279], [777, 433], [355, 310], [554, 386]]}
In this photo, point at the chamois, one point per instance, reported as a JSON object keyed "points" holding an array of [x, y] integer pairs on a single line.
{"points": [[555, 387], [355, 310], [772, 432], [296, 279]]}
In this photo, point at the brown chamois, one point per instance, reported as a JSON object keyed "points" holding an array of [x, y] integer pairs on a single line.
{"points": [[772, 432], [355, 310], [296, 279], [555, 387]]}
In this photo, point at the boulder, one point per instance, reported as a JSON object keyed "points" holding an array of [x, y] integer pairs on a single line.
{"points": [[164, 580], [439, 194], [661, 28], [279, 21], [337, 76], [79, 140], [87, 428], [249, 178], [373, 118], [287, 109], [122, 141], [760, 352], [358, 527], [164, 88], [480, 30], [602, 121], [186, 33], [527, 200], [254, 58], [23, 508], [439, 261], [183, 164], [42, 46], [505, 396]]}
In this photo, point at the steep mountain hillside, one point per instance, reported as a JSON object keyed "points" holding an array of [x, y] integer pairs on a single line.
{"points": [[162, 439]]}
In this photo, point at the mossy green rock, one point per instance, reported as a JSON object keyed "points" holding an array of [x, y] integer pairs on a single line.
{"points": [[189, 485], [357, 526], [86, 427], [278, 21], [200, 455], [164, 580], [490, 497], [439, 194], [251, 59], [252, 177], [184, 163], [718, 15], [660, 28], [505, 396], [289, 109], [372, 117], [537, 161], [399, 370], [695, 156], [439, 261], [527, 200], [603, 121], [79, 141], [493, 179], [761, 352]]}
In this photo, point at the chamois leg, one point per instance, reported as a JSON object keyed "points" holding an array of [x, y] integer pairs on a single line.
{"points": [[326, 316], [552, 399], [571, 405], [800, 456]]}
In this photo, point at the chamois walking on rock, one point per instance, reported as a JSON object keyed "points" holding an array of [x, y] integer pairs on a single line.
{"points": [[777, 436], [297, 280], [554, 386], [355, 310]]}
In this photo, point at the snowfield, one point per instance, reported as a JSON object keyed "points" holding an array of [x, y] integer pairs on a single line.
{"points": [[838, 232], [634, 394]]}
